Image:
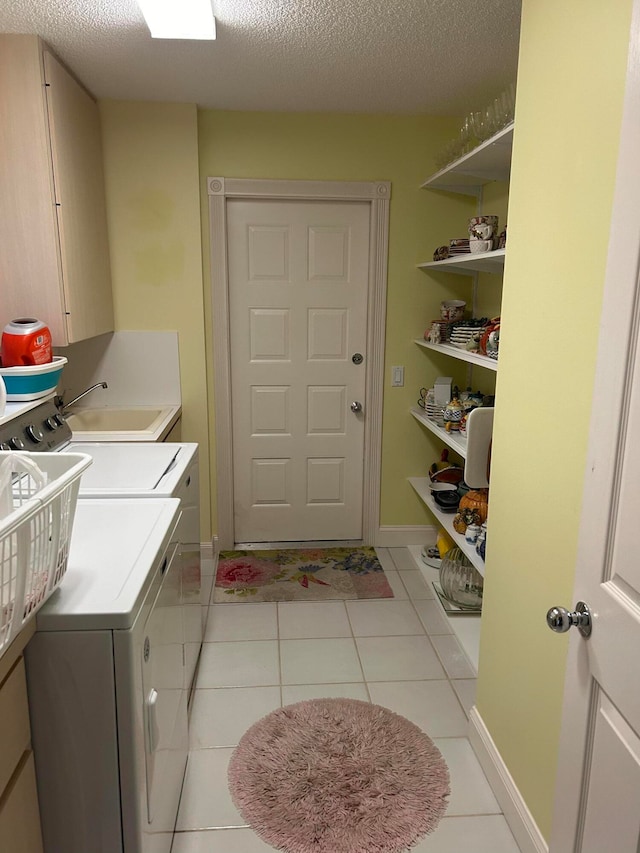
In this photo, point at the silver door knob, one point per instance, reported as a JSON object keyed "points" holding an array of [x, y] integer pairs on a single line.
{"points": [[356, 407], [560, 620]]}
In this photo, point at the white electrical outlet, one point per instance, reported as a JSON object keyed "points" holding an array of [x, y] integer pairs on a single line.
{"points": [[397, 377]]}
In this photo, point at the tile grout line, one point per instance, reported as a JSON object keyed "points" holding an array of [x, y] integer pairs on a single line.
{"points": [[279, 653], [435, 649], [355, 643]]}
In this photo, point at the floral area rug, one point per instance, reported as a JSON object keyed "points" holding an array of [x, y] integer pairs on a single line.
{"points": [[339, 776], [296, 574]]}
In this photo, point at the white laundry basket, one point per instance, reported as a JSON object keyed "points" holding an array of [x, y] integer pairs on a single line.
{"points": [[35, 535]]}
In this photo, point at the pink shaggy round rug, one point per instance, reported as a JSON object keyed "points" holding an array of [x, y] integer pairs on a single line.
{"points": [[338, 776]]}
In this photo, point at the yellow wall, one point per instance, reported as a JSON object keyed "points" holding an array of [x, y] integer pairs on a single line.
{"points": [[153, 204], [570, 89], [360, 147]]}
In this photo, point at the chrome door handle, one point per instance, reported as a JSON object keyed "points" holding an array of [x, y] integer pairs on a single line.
{"points": [[560, 620], [356, 407]]}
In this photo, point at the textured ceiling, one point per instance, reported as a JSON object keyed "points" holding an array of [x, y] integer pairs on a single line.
{"points": [[441, 57]]}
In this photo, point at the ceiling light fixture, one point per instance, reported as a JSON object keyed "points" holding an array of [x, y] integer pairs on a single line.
{"points": [[179, 19]]}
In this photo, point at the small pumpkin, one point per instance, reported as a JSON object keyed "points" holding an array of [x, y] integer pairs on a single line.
{"points": [[459, 524], [478, 500]]}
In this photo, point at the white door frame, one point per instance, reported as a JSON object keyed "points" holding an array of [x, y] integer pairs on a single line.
{"points": [[619, 332], [377, 194]]}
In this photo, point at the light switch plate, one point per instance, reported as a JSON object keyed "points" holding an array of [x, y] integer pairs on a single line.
{"points": [[397, 377]]}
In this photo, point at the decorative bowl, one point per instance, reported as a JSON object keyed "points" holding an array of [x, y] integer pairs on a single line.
{"points": [[452, 310]]}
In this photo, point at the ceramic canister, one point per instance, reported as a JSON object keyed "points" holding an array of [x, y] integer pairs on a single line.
{"points": [[26, 341]]}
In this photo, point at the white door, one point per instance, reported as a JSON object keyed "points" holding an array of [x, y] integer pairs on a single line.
{"points": [[298, 283], [597, 805]]}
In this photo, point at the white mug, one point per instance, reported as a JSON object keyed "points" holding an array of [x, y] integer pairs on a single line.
{"points": [[471, 533]]}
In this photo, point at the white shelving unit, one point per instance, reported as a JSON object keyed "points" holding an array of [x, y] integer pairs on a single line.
{"points": [[470, 264], [421, 486], [490, 161], [465, 626], [461, 354], [452, 439]]}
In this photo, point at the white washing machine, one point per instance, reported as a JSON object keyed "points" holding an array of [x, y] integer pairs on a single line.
{"points": [[135, 470], [109, 724], [107, 693]]}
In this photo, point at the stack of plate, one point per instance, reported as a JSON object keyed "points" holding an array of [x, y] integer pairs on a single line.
{"points": [[461, 335], [434, 413], [459, 246]]}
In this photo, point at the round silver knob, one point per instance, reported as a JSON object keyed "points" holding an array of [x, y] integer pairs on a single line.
{"points": [[560, 620], [16, 443], [34, 433], [356, 407], [51, 424]]}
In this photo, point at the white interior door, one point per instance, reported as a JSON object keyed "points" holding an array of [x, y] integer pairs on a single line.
{"points": [[597, 804], [298, 284]]}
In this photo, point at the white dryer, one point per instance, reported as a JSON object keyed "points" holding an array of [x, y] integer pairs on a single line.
{"points": [[107, 694]]}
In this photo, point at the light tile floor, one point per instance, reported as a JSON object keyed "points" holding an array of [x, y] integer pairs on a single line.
{"points": [[399, 653]]}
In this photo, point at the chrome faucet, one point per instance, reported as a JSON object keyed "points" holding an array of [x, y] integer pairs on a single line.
{"points": [[62, 406]]}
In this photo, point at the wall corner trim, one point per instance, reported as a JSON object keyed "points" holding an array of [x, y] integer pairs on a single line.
{"points": [[524, 828]]}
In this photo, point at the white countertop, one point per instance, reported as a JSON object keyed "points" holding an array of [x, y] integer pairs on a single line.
{"points": [[114, 546], [12, 410]]}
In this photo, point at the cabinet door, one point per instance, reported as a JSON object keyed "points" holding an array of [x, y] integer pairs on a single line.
{"points": [[76, 147], [19, 817], [29, 260]]}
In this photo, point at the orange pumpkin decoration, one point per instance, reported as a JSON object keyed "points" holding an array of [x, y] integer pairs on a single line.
{"points": [[478, 500]]}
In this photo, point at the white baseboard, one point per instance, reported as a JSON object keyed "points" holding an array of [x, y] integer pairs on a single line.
{"points": [[523, 826], [395, 536]]}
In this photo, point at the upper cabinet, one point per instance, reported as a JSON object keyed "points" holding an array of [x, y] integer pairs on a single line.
{"points": [[54, 252]]}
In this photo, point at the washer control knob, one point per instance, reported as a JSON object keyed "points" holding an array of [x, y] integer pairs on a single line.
{"points": [[4, 446], [51, 424], [34, 433], [16, 443], [59, 420]]}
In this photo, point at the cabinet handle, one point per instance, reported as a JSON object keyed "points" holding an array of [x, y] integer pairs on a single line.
{"points": [[153, 730]]}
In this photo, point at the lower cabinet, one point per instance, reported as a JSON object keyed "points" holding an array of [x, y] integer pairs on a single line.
{"points": [[19, 815], [19, 812]]}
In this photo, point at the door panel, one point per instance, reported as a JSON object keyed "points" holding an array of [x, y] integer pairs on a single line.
{"points": [[612, 811], [327, 334], [298, 285]]}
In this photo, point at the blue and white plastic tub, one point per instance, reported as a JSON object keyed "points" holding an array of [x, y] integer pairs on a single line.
{"points": [[32, 381]]}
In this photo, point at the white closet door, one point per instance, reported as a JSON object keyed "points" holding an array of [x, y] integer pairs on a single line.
{"points": [[298, 278]]}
